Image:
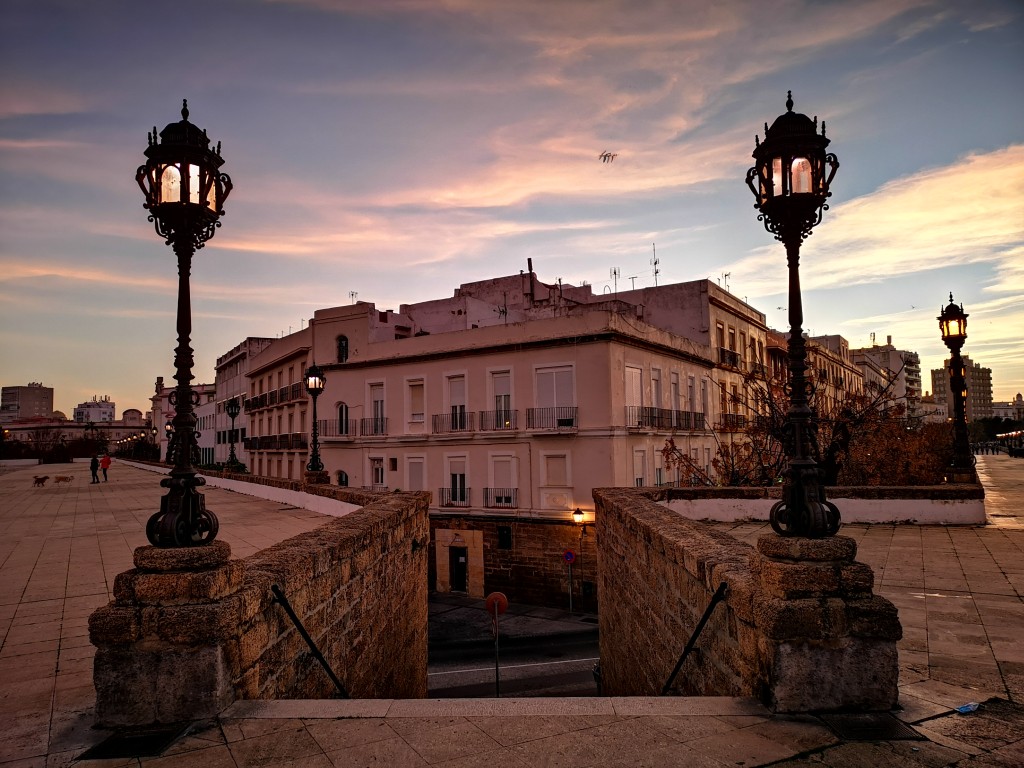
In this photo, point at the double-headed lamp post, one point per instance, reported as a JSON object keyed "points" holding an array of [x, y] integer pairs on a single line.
{"points": [[233, 408], [953, 325], [315, 381], [790, 181], [184, 193]]}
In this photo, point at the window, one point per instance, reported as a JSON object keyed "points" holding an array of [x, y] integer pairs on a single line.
{"points": [[342, 478], [457, 480], [502, 385], [416, 402], [393, 464], [377, 470], [343, 349], [675, 393], [343, 428], [555, 387], [457, 401], [556, 470], [656, 388], [732, 339], [634, 388], [640, 467], [416, 469], [378, 421]]}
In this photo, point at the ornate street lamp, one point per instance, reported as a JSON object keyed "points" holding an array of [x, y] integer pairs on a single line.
{"points": [[233, 408], [184, 194], [315, 381], [790, 181], [169, 432], [953, 326]]}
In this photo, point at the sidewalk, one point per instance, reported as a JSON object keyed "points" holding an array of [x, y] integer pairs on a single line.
{"points": [[959, 592]]}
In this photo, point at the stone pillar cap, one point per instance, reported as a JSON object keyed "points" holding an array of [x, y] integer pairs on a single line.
{"points": [[833, 548], [201, 558]]}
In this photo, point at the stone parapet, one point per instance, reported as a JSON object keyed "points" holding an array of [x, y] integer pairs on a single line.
{"points": [[800, 627], [190, 630]]}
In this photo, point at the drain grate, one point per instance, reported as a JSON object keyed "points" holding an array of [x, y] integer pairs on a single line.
{"points": [[869, 726], [140, 742]]}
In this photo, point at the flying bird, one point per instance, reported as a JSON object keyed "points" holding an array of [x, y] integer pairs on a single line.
{"points": [[607, 157]]}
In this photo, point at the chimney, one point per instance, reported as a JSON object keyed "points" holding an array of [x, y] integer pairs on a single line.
{"points": [[888, 340]]}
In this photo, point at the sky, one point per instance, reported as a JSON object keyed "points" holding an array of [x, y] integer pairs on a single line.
{"points": [[395, 149]]}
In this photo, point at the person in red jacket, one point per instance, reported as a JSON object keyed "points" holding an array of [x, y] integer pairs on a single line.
{"points": [[105, 465]]}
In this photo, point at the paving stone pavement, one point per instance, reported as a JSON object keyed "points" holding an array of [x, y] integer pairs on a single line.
{"points": [[959, 591]]}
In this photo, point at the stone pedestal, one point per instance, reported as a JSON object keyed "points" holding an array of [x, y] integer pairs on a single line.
{"points": [[829, 643], [161, 644], [323, 477]]}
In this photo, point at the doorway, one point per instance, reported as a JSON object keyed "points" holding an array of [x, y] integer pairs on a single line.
{"points": [[458, 570]]}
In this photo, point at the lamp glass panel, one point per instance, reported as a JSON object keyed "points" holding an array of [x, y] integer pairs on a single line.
{"points": [[777, 177], [211, 196], [193, 183], [800, 176], [170, 185]]}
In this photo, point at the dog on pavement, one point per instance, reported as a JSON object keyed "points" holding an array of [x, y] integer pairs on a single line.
{"points": [[63, 479], [39, 480]]}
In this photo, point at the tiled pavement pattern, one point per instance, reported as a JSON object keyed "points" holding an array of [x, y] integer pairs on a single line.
{"points": [[959, 593]]}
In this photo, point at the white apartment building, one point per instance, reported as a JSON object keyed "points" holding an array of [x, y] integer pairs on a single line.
{"points": [[903, 371], [512, 397], [232, 382], [163, 413], [98, 410]]}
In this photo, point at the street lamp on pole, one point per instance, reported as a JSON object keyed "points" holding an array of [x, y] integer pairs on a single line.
{"points": [[953, 326], [233, 408], [790, 181], [315, 381], [184, 193]]}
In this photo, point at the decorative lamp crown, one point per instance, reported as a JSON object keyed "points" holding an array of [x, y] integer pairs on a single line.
{"points": [[315, 380], [183, 187], [953, 322], [233, 408], [792, 175]]}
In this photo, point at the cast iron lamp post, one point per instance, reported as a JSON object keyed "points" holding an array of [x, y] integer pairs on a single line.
{"points": [[184, 193], [233, 409], [315, 381], [790, 181], [953, 325]]}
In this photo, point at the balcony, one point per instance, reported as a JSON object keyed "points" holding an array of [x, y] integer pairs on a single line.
{"points": [[290, 442], [732, 422], [453, 497], [690, 420], [373, 426], [499, 421], [729, 357], [457, 421], [336, 428], [501, 498], [561, 418]]}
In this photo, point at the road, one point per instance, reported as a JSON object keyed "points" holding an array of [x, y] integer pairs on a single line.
{"points": [[548, 667]]}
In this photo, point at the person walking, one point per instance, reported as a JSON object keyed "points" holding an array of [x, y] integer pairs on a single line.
{"points": [[94, 467], [105, 465]]}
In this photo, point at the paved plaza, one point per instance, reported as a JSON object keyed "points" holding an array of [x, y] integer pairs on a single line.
{"points": [[959, 591]]}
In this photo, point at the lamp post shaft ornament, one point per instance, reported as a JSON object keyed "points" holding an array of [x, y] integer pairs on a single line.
{"points": [[790, 182], [184, 193]]}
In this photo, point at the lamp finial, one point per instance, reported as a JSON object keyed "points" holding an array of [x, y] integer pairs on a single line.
{"points": [[184, 109], [789, 101]]}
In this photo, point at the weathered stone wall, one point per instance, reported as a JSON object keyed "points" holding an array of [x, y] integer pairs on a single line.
{"points": [[189, 630], [800, 628]]}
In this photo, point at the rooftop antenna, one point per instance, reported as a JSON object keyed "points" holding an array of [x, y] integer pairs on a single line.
{"points": [[725, 279], [352, 296], [633, 278], [614, 273], [872, 338], [655, 261]]}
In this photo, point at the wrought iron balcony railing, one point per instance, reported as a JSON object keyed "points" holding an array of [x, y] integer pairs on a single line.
{"points": [[453, 497], [336, 428], [729, 357], [458, 421], [561, 417], [501, 498], [375, 425], [494, 421]]}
